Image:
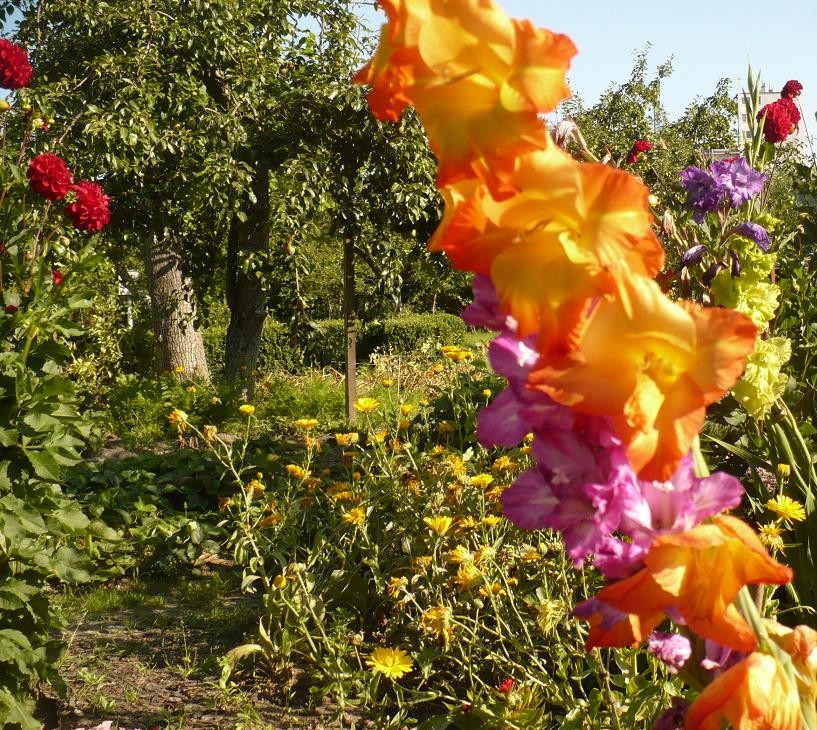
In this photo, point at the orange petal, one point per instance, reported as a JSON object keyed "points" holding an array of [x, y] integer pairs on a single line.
{"points": [[755, 694]]}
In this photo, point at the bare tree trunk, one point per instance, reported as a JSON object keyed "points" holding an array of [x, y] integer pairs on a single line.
{"points": [[350, 326], [178, 344], [246, 296]]}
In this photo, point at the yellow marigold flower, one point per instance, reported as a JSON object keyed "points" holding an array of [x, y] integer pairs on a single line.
{"points": [[439, 523], [179, 419], [377, 438], [484, 553], [468, 576], [406, 409], [271, 519], [388, 382], [297, 472], [246, 409], [391, 663], [493, 589], [491, 520], [467, 523], [787, 508], [355, 516], [280, 582], [347, 496], [457, 465], [436, 368], [337, 487], [209, 432], [437, 621], [513, 581], [504, 463], [771, 536], [396, 585], [481, 480], [366, 405], [403, 424], [445, 349], [179, 369], [438, 450], [191, 389], [549, 614], [312, 443], [356, 476], [347, 439], [530, 555], [414, 486], [422, 563], [255, 487], [494, 494], [458, 355], [306, 424], [460, 554]]}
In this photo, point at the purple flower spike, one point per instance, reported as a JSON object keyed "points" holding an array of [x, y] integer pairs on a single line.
{"points": [[737, 181], [693, 255], [754, 232], [673, 650], [703, 193]]}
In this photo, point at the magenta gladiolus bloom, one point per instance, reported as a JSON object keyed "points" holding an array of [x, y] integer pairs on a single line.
{"points": [[673, 650], [737, 181]]}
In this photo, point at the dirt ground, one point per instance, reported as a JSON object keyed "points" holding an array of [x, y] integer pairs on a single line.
{"points": [[155, 667]]}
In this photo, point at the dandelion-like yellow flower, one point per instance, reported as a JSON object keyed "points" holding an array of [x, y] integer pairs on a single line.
{"points": [[306, 424], [549, 614], [504, 463], [483, 554], [783, 471], [787, 509], [377, 438], [467, 523], [491, 520], [271, 519], [355, 516], [191, 389], [771, 536], [486, 393], [403, 424], [422, 563], [388, 382], [396, 585], [481, 480], [209, 432], [530, 555], [347, 439], [528, 438], [179, 419], [460, 554], [439, 523], [468, 576], [255, 487], [406, 409], [492, 590], [438, 450], [366, 405], [437, 621], [246, 409], [391, 663], [457, 466], [296, 472]]}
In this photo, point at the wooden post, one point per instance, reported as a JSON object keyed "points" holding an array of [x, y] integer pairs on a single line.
{"points": [[350, 326]]}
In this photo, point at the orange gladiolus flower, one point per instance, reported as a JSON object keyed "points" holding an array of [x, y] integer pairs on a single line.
{"points": [[653, 366], [477, 78], [755, 694], [800, 643], [697, 574]]}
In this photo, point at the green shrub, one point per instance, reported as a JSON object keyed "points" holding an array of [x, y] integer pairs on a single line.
{"points": [[325, 345]]}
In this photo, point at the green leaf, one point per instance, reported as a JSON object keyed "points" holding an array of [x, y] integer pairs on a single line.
{"points": [[45, 465], [71, 567]]}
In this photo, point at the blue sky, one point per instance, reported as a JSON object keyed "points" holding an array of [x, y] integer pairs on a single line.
{"points": [[707, 40]]}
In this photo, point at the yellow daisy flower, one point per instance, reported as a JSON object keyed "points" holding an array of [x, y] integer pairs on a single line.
{"points": [[437, 621], [347, 439], [491, 520], [296, 472], [493, 589], [468, 576], [481, 480], [439, 523], [306, 424], [392, 663], [771, 536], [355, 516], [396, 585], [787, 508], [179, 419], [460, 554], [366, 405]]}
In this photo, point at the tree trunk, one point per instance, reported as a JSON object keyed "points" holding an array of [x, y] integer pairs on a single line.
{"points": [[350, 326], [246, 296], [178, 344]]}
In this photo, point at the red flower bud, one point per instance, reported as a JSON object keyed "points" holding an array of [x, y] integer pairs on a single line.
{"points": [[507, 686], [57, 277]]}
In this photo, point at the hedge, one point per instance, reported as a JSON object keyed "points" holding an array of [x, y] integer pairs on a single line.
{"points": [[406, 334]]}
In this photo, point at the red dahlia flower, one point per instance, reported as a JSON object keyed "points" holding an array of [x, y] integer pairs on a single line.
{"points": [[57, 277], [15, 70], [639, 146], [791, 89], [89, 211], [781, 119], [49, 176]]}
